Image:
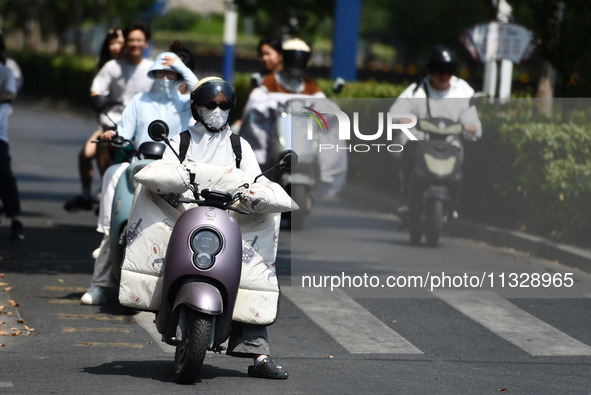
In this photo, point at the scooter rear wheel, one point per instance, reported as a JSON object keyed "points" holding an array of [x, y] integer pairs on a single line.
{"points": [[190, 352]]}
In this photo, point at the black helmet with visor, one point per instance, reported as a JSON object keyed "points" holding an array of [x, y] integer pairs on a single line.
{"points": [[206, 90], [442, 60], [296, 54]]}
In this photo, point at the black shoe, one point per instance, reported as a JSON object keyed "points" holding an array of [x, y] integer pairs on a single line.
{"points": [[267, 369], [77, 204], [17, 230]]}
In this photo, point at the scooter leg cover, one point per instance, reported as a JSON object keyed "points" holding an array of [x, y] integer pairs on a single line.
{"points": [[103, 274], [149, 227], [258, 295]]}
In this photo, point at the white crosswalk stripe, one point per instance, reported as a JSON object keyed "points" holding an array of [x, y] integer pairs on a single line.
{"points": [[351, 325], [513, 324], [360, 332]]}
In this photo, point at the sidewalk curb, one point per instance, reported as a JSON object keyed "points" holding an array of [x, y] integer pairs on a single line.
{"points": [[538, 246]]}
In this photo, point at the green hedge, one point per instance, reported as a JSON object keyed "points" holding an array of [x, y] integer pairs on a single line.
{"points": [[530, 172], [64, 77]]}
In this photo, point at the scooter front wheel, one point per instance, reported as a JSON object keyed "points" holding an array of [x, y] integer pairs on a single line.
{"points": [[190, 351], [434, 222]]}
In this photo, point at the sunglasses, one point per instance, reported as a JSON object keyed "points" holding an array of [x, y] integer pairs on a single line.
{"points": [[442, 70], [225, 105]]}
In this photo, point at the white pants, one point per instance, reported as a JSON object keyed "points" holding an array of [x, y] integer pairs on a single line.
{"points": [[110, 180], [103, 275]]}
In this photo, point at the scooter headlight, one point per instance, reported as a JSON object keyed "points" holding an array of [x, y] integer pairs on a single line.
{"points": [[206, 244]]}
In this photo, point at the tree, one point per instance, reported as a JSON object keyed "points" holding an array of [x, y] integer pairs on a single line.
{"points": [[48, 18], [563, 31], [301, 18], [415, 27]]}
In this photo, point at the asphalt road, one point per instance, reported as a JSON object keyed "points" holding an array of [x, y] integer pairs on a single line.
{"points": [[373, 314]]}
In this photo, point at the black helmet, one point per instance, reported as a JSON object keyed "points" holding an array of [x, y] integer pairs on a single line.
{"points": [[442, 59], [207, 89], [296, 54], [151, 150]]}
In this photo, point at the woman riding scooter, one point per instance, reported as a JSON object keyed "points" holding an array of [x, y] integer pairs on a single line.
{"points": [[204, 163], [211, 101]]}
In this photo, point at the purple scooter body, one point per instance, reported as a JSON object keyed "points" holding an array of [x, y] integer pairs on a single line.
{"points": [[211, 291]]}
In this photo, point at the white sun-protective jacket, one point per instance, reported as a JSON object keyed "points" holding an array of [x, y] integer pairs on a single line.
{"points": [[164, 104], [452, 103]]}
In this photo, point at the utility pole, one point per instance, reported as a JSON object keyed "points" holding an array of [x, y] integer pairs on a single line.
{"points": [[498, 73], [230, 28], [346, 33]]}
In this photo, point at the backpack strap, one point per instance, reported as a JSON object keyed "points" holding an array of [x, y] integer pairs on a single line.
{"points": [[237, 148], [184, 145]]}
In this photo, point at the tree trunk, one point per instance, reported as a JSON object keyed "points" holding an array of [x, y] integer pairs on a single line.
{"points": [[546, 88]]}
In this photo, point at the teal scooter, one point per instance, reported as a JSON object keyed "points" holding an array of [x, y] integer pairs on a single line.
{"points": [[124, 191], [123, 200]]}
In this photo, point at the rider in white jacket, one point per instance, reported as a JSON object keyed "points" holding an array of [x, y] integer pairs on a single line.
{"points": [[210, 143], [439, 94]]}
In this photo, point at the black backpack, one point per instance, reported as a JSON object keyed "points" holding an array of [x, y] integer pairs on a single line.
{"points": [[186, 140]]}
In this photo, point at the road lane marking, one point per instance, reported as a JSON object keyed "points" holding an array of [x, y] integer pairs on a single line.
{"points": [[64, 301], [95, 317], [349, 323], [6, 384], [513, 324], [145, 319], [125, 345], [118, 330], [60, 288]]}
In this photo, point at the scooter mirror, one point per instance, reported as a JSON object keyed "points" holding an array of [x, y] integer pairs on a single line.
{"points": [[99, 103], [288, 160], [158, 130], [337, 85]]}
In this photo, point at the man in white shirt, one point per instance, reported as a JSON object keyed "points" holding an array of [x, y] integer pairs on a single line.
{"points": [[120, 80]]}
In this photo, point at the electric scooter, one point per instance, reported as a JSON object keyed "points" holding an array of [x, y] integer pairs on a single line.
{"points": [[201, 273], [435, 180]]}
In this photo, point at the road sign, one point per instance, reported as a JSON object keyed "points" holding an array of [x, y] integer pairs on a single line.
{"points": [[494, 41]]}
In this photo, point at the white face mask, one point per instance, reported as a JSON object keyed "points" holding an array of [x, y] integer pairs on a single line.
{"points": [[163, 89], [216, 119]]}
